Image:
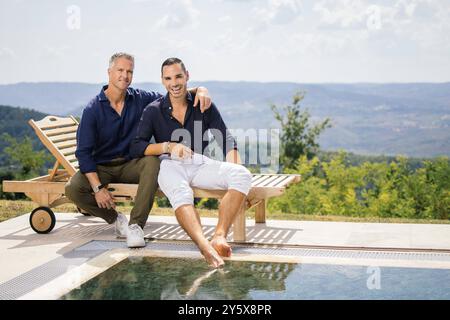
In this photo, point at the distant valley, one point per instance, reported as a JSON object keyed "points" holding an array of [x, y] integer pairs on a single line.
{"points": [[410, 119]]}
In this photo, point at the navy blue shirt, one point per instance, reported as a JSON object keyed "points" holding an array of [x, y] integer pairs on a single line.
{"points": [[103, 134], [157, 122]]}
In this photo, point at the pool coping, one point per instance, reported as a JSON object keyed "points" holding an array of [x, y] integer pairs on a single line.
{"points": [[77, 276]]}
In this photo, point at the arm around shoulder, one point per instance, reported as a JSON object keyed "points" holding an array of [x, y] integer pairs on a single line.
{"points": [[145, 131]]}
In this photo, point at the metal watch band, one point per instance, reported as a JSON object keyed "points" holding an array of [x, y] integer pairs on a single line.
{"points": [[98, 188]]}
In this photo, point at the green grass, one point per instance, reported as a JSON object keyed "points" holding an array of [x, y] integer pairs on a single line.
{"points": [[10, 209]]}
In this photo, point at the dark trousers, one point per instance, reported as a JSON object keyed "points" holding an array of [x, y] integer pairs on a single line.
{"points": [[143, 171]]}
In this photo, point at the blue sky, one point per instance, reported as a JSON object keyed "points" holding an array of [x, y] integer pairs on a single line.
{"points": [[254, 40]]}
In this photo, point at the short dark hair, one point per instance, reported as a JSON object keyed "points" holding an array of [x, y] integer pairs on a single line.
{"points": [[171, 61]]}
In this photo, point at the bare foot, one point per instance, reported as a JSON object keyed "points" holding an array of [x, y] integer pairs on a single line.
{"points": [[211, 257], [222, 247]]}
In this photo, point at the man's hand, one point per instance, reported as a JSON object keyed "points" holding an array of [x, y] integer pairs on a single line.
{"points": [[104, 199], [179, 151], [203, 97], [233, 157]]}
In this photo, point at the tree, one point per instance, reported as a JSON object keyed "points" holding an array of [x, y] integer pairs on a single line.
{"points": [[22, 155], [298, 136]]}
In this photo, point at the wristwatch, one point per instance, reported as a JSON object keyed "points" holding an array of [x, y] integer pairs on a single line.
{"points": [[97, 188]]}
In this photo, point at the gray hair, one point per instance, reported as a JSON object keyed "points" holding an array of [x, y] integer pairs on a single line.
{"points": [[118, 55]]}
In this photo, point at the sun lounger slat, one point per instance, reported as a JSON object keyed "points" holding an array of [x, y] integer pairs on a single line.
{"points": [[49, 142], [255, 177], [68, 151], [63, 137], [66, 144], [276, 181], [260, 179], [289, 180], [58, 131], [267, 181], [71, 158], [51, 122]]}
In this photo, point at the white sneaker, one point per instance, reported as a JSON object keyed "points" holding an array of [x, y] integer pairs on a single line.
{"points": [[135, 237], [121, 226]]}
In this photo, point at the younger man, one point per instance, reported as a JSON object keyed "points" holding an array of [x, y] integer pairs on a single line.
{"points": [[179, 130]]}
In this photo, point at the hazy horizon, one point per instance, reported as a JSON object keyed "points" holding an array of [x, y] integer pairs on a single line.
{"points": [[412, 119], [268, 82]]}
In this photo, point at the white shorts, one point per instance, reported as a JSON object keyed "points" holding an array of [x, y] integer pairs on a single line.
{"points": [[177, 178]]}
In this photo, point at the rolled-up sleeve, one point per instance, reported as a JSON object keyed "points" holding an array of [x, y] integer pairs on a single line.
{"points": [[215, 121], [144, 134], [86, 136]]}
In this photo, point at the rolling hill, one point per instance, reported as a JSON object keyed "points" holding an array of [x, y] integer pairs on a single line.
{"points": [[408, 118]]}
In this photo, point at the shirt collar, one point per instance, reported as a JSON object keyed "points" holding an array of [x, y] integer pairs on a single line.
{"points": [[168, 105], [102, 96]]}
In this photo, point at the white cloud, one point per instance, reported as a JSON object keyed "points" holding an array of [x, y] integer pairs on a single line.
{"points": [[318, 44], [355, 14], [275, 12], [423, 23], [225, 19], [181, 13], [231, 41], [342, 13], [55, 51], [6, 53], [294, 40], [283, 11], [174, 45]]}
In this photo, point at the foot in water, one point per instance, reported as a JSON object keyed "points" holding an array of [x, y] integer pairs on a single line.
{"points": [[212, 257], [222, 247]]}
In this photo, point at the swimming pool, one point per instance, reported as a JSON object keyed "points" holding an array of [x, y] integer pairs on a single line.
{"points": [[98, 267], [159, 278]]}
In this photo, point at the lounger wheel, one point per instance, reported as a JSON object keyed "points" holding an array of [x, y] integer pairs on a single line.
{"points": [[42, 220], [84, 213]]}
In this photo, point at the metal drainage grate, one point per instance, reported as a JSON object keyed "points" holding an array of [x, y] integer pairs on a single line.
{"points": [[313, 252]]}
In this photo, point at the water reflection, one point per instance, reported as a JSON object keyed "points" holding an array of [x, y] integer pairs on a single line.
{"points": [[175, 278], [151, 278]]}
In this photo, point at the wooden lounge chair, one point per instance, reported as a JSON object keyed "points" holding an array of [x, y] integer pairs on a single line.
{"points": [[59, 136]]}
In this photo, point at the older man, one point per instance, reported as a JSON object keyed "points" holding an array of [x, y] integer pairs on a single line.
{"points": [[107, 127]]}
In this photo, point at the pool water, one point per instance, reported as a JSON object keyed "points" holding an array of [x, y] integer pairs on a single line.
{"points": [[155, 278]]}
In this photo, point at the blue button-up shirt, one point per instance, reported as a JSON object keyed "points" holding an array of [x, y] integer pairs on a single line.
{"points": [[158, 122], [103, 134]]}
